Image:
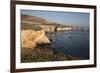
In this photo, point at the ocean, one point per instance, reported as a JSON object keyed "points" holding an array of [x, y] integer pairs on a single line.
{"points": [[74, 43]]}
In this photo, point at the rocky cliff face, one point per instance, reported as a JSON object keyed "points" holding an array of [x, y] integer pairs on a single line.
{"points": [[30, 38]]}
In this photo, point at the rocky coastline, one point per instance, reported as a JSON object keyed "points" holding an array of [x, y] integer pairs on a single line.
{"points": [[34, 39]]}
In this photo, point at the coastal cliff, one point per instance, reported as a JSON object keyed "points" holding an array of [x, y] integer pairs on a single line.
{"points": [[33, 22], [35, 44], [31, 38]]}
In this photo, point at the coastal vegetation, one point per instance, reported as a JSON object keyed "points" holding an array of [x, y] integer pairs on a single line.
{"points": [[43, 55]]}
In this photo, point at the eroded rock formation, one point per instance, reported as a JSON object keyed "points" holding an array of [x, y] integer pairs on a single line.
{"points": [[30, 38]]}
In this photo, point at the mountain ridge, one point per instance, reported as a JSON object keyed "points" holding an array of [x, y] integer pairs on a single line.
{"points": [[35, 19]]}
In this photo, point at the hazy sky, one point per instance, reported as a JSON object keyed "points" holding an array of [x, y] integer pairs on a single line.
{"points": [[71, 18]]}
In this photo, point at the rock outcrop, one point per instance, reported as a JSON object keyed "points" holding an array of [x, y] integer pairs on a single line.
{"points": [[30, 38]]}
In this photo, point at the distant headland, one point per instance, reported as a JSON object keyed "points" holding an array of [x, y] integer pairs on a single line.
{"points": [[37, 23]]}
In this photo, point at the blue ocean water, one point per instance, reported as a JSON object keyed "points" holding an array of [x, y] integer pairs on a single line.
{"points": [[75, 43]]}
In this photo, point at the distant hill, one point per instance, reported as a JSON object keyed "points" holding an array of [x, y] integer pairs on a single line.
{"points": [[34, 19]]}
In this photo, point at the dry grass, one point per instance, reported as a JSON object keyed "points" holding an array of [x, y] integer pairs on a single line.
{"points": [[43, 55]]}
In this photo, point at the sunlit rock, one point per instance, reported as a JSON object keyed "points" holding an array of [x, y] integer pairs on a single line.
{"points": [[30, 38]]}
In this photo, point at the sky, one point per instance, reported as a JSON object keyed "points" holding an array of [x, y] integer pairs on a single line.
{"points": [[68, 18]]}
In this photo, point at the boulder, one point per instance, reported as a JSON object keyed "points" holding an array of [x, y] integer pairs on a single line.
{"points": [[30, 38]]}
